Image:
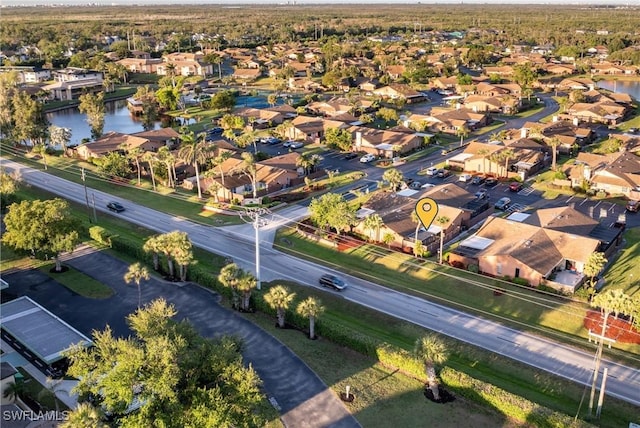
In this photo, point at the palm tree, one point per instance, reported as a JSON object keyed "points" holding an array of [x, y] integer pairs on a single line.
{"points": [[279, 298], [431, 351], [415, 219], [183, 252], [165, 156], [171, 72], [310, 308], [484, 153], [394, 177], [150, 159], [507, 155], [308, 162], [228, 277], [136, 274], [247, 282], [193, 151], [272, 99], [14, 390], [84, 416], [462, 132], [134, 154], [152, 245], [593, 266], [219, 160], [250, 169], [554, 143], [373, 223], [442, 220]]}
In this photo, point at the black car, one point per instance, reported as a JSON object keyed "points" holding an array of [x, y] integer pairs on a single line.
{"points": [[350, 156], [328, 280], [115, 207], [491, 182]]}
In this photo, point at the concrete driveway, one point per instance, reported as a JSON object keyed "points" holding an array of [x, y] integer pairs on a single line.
{"points": [[302, 398]]}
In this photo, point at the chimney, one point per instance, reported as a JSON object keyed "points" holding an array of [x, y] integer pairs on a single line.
{"points": [[554, 119], [576, 121], [358, 139], [523, 132]]}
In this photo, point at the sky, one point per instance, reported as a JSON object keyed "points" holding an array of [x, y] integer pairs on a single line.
{"points": [[302, 2]]}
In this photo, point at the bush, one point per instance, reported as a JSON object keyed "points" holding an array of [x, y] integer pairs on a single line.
{"points": [[400, 359], [473, 268], [520, 281], [99, 234]]}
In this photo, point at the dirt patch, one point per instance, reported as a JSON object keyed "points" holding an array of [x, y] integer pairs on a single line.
{"points": [[618, 329]]}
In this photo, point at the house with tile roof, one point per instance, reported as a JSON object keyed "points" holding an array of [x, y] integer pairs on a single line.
{"points": [[615, 173], [547, 247], [461, 208]]}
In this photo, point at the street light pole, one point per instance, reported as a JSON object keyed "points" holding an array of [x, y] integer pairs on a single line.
{"points": [[599, 338], [253, 217], [86, 194]]}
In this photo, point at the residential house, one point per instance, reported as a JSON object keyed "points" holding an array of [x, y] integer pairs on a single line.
{"points": [[449, 121], [246, 74], [491, 104], [272, 175], [497, 89], [184, 64], [399, 91], [71, 90], [560, 69], [547, 247], [460, 207], [505, 71], [395, 71], [615, 173], [28, 74], [385, 143], [609, 113], [260, 118], [527, 157], [141, 65], [333, 107], [117, 142]]}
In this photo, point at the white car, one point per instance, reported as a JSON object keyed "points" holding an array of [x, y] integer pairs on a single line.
{"points": [[296, 145], [432, 170], [465, 178], [367, 158], [427, 186]]}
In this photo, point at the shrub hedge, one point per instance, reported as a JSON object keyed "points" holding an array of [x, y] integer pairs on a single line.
{"points": [[483, 393]]}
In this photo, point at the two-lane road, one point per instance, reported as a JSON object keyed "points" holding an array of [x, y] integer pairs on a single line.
{"points": [[238, 242]]}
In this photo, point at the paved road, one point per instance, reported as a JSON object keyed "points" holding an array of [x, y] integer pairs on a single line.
{"points": [[565, 361], [304, 400]]}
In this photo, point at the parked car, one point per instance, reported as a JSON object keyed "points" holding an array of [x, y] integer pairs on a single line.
{"points": [[515, 186], [432, 170], [481, 194], [465, 178], [332, 281], [296, 145], [367, 158], [443, 173], [270, 140], [633, 206], [502, 204], [115, 207], [491, 182], [415, 185], [478, 179], [427, 185], [287, 143], [350, 156]]}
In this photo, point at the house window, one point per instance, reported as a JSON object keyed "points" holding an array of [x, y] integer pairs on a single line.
{"points": [[499, 268]]}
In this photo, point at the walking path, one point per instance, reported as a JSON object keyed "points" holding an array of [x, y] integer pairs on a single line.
{"points": [[301, 397]]}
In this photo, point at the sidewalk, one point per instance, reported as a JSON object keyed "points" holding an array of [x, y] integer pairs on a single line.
{"points": [[61, 389]]}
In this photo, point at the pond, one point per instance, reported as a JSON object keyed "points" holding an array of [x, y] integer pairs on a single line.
{"points": [[117, 117], [629, 87]]}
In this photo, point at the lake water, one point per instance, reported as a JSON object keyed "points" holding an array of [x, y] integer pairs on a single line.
{"points": [[631, 88], [117, 117]]}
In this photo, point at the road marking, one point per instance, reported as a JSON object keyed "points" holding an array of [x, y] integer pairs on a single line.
{"points": [[613, 206], [583, 201], [570, 198], [428, 313], [507, 340], [596, 205]]}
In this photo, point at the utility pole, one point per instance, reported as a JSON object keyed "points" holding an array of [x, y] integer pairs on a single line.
{"points": [[93, 199], [253, 217], [599, 339], [86, 195]]}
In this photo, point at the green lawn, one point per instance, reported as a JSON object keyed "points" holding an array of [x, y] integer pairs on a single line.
{"points": [[526, 309], [386, 395], [78, 282]]}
